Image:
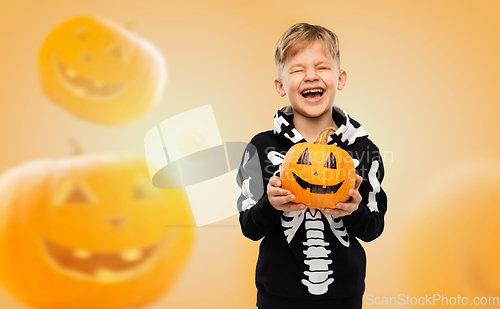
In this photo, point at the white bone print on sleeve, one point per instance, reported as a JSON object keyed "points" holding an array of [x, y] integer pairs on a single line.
{"points": [[372, 178]]}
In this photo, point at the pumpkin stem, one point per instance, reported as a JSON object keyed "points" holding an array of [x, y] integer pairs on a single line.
{"points": [[323, 136], [77, 150]]}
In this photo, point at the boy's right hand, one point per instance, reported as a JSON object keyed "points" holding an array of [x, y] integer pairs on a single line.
{"points": [[281, 199]]}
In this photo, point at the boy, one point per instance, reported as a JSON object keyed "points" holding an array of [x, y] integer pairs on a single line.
{"points": [[309, 258]]}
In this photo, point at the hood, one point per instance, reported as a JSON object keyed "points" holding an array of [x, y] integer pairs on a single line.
{"points": [[349, 130]]}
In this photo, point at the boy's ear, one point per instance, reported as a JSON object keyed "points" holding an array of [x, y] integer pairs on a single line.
{"points": [[279, 87], [342, 80]]}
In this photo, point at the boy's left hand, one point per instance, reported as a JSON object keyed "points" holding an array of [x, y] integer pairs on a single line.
{"points": [[348, 207]]}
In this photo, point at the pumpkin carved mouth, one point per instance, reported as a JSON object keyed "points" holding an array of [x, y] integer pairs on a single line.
{"points": [[83, 86], [98, 266], [318, 189]]}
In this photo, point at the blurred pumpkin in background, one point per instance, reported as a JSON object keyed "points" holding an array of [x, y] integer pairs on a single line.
{"points": [[452, 248], [101, 72], [90, 232]]}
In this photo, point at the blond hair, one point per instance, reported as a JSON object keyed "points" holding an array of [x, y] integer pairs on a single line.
{"points": [[300, 36]]}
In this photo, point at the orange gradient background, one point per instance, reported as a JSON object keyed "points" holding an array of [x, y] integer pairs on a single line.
{"points": [[422, 79]]}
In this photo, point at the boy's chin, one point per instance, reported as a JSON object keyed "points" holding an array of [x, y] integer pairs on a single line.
{"points": [[314, 111]]}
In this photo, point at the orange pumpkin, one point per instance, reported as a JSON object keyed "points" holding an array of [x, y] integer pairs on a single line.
{"points": [[450, 246], [319, 175], [99, 71], [90, 232]]}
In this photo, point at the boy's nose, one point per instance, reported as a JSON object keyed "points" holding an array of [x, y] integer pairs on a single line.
{"points": [[311, 75]]}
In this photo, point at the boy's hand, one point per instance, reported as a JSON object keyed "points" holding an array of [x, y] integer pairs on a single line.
{"points": [[281, 199], [347, 208]]}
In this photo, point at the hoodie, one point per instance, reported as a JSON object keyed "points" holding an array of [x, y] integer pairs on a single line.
{"points": [[308, 259]]}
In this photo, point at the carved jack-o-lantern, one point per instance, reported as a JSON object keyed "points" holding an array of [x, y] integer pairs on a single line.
{"points": [[319, 175], [451, 244], [90, 232], [99, 71]]}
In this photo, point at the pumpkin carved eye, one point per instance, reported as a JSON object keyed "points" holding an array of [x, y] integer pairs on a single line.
{"points": [[141, 193], [81, 33], [305, 158], [144, 190], [116, 51], [331, 162], [74, 191], [77, 196]]}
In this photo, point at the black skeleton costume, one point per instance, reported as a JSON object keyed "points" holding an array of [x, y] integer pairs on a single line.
{"points": [[307, 258]]}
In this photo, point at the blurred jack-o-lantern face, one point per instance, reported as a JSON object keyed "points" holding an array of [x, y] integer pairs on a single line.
{"points": [[90, 232], [451, 248], [101, 72], [319, 175]]}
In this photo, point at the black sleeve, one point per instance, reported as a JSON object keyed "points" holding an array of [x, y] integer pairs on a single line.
{"points": [[367, 222], [257, 216]]}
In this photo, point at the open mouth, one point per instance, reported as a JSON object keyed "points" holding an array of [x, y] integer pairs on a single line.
{"points": [[317, 188], [106, 267], [313, 95], [83, 86]]}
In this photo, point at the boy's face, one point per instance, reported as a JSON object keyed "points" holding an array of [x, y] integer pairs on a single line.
{"points": [[310, 79]]}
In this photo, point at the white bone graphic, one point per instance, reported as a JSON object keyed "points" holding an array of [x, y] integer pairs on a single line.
{"points": [[372, 177], [246, 157], [276, 158], [338, 229], [317, 281], [318, 264], [292, 225], [277, 128], [316, 252], [245, 190], [349, 132]]}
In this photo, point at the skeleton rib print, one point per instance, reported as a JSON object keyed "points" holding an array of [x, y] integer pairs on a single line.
{"points": [[308, 255], [317, 256]]}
